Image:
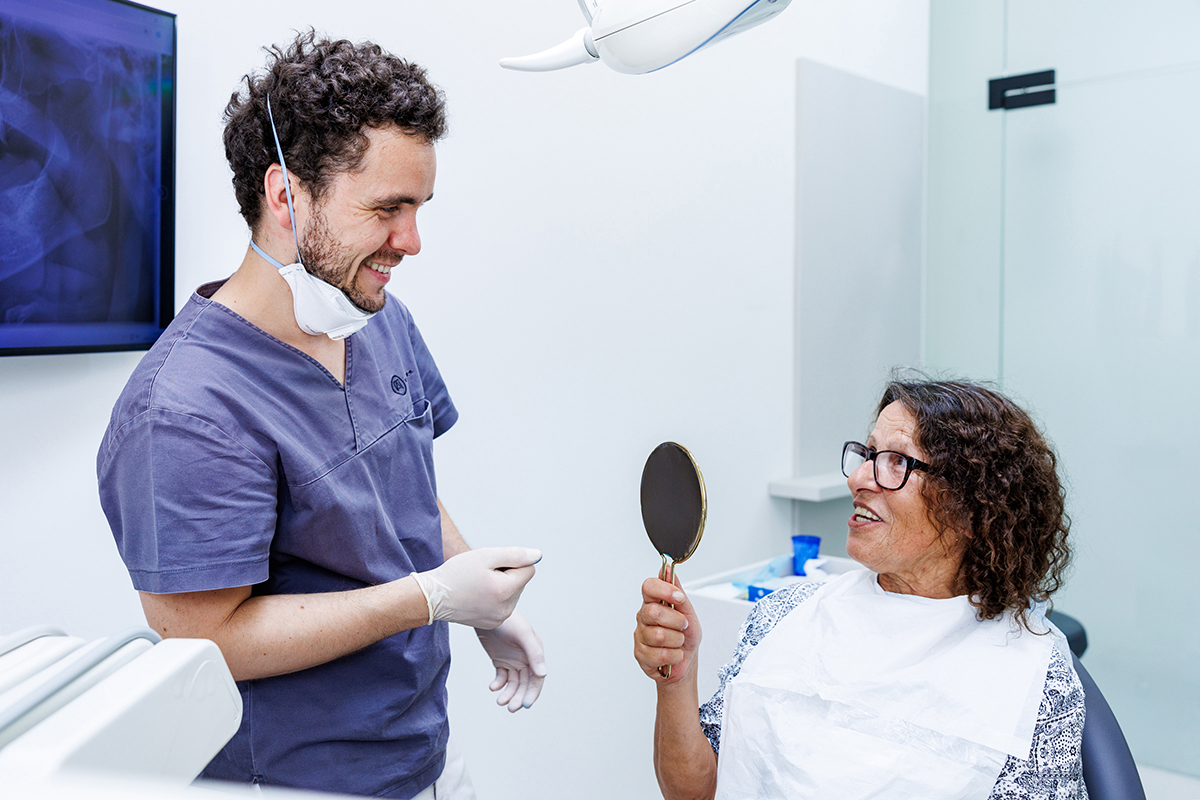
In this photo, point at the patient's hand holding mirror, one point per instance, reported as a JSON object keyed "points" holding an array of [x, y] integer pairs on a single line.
{"points": [[674, 507]]}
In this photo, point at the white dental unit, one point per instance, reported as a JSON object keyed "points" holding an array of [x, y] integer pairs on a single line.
{"points": [[76, 716], [639, 36]]}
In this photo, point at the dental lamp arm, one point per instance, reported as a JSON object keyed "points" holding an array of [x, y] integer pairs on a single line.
{"points": [[640, 36], [579, 49]]}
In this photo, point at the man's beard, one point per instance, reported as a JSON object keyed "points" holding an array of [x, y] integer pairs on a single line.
{"points": [[321, 255]]}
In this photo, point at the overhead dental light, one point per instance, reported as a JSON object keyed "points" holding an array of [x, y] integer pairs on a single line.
{"points": [[638, 36]]}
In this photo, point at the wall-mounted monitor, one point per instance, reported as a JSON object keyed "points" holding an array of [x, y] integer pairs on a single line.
{"points": [[87, 175]]}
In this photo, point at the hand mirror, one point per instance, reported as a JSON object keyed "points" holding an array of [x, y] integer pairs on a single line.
{"points": [[674, 507]]}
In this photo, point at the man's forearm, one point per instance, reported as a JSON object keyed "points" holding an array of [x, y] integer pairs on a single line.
{"points": [[276, 634], [452, 541]]}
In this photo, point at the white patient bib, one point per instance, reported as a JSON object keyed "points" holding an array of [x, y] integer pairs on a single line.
{"points": [[860, 693]]}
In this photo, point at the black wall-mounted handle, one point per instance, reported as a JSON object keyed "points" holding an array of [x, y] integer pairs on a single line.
{"points": [[999, 88]]}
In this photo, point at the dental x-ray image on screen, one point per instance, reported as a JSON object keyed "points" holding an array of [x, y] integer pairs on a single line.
{"points": [[86, 175]]}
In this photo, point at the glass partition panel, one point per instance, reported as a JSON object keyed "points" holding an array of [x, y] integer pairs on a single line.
{"points": [[1063, 247], [1102, 337]]}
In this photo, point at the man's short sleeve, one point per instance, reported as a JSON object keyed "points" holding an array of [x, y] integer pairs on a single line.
{"points": [[191, 509]]}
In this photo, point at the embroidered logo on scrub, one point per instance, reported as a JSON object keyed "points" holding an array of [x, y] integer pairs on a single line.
{"points": [[400, 385]]}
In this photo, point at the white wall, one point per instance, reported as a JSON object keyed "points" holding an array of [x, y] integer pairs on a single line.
{"points": [[608, 264]]}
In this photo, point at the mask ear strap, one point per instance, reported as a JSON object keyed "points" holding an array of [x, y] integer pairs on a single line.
{"points": [[287, 184], [266, 257]]}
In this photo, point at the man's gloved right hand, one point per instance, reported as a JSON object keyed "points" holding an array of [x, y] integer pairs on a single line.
{"points": [[480, 587]]}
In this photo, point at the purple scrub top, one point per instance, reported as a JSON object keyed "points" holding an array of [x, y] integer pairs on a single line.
{"points": [[233, 459]]}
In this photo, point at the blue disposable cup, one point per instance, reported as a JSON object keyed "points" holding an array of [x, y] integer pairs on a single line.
{"points": [[804, 548]]}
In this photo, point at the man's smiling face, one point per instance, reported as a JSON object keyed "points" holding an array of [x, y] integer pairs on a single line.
{"points": [[366, 222]]}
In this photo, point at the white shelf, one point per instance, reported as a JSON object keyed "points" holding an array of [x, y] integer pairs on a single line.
{"points": [[813, 488]]}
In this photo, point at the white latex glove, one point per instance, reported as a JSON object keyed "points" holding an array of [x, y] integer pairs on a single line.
{"points": [[516, 651], [480, 587]]}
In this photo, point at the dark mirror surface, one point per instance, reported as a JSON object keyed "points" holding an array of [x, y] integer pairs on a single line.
{"points": [[673, 501]]}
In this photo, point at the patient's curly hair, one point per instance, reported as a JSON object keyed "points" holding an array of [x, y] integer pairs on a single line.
{"points": [[994, 478], [324, 95]]}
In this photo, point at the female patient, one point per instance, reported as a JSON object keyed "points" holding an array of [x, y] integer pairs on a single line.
{"points": [[930, 674]]}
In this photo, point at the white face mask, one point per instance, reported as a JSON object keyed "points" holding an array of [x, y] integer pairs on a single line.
{"points": [[319, 306]]}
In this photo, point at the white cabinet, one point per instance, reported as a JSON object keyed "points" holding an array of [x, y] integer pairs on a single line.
{"points": [[721, 616]]}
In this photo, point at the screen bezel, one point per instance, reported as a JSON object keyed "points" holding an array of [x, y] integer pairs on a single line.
{"points": [[165, 269]]}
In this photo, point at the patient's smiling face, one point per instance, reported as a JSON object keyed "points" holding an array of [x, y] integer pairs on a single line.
{"points": [[891, 532]]}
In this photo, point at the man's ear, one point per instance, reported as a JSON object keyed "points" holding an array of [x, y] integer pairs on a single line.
{"points": [[276, 197]]}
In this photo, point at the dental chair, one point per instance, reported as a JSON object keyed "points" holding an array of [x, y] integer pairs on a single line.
{"points": [[1108, 768], [1109, 771]]}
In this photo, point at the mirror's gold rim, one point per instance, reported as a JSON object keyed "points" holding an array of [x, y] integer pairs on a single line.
{"points": [[703, 502]]}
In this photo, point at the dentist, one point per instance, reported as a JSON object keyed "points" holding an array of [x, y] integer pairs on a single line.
{"points": [[268, 474]]}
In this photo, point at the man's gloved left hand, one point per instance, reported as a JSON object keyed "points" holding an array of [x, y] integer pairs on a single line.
{"points": [[520, 662]]}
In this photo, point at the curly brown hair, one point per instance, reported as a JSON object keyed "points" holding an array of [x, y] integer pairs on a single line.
{"points": [[993, 477], [324, 95]]}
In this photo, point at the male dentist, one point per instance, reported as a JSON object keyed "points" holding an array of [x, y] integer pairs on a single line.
{"points": [[268, 471]]}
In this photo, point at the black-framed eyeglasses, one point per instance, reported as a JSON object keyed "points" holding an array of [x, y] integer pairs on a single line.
{"points": [[891, 468]]}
